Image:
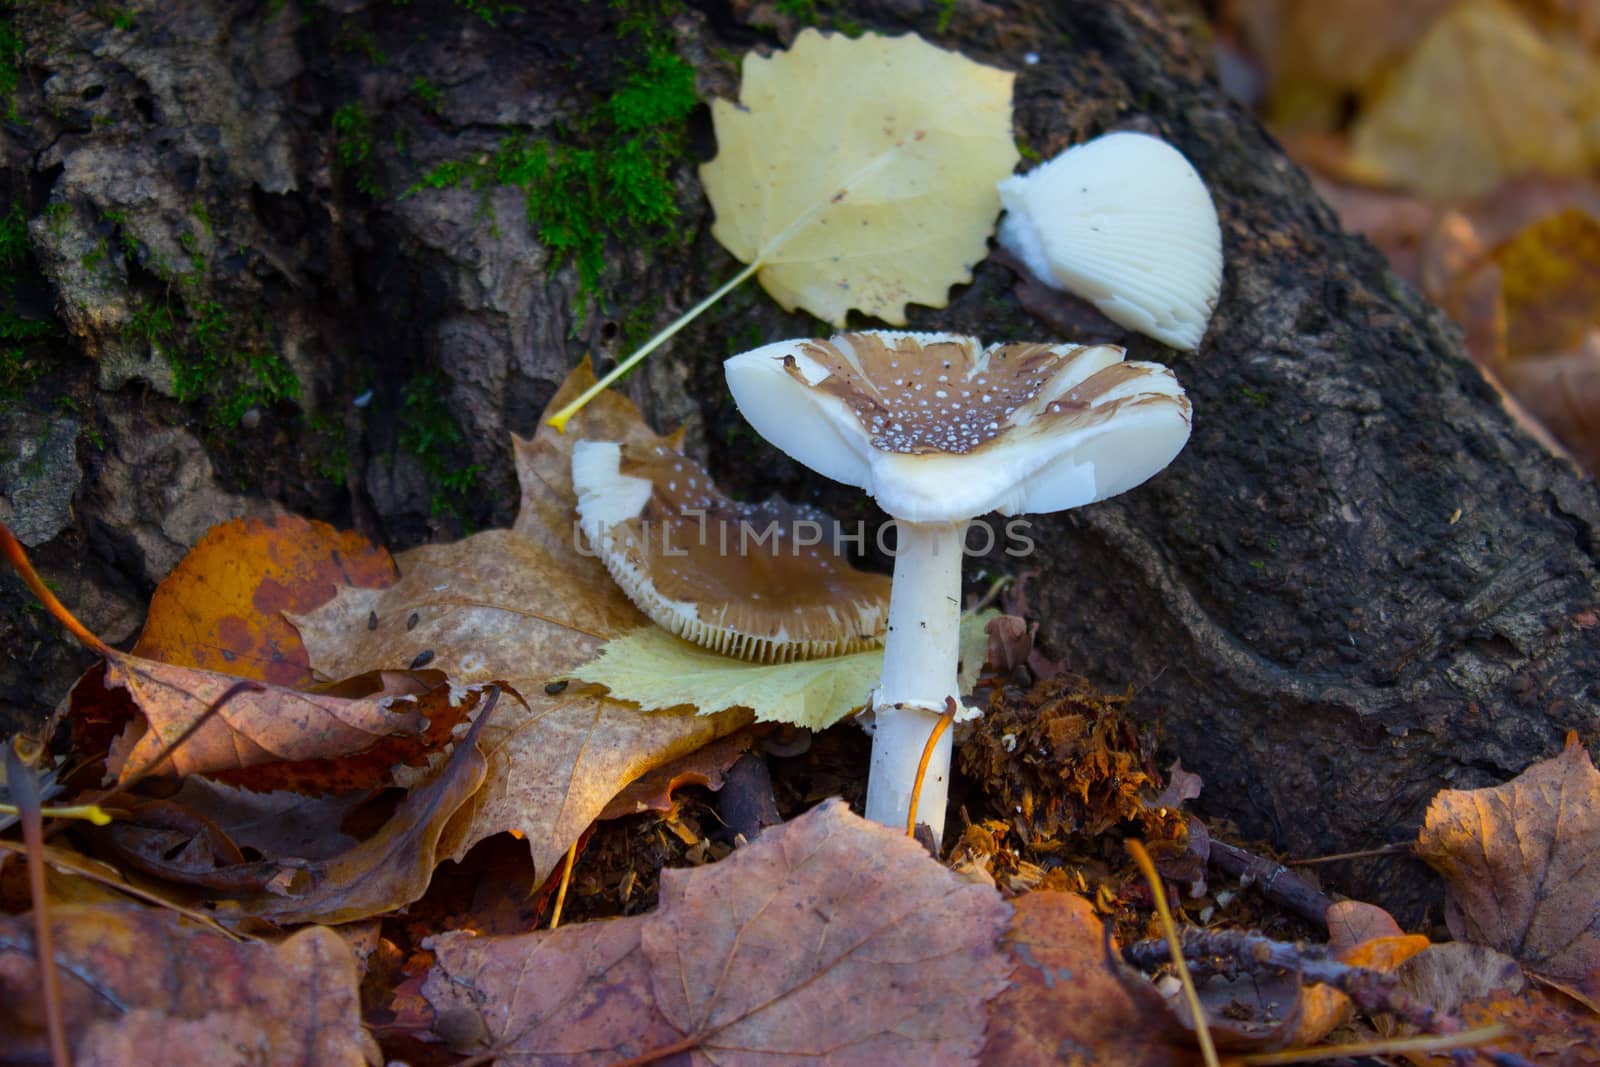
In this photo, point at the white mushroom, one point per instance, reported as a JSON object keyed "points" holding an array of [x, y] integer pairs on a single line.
{"points": [[1124, 222], [762, 582], [941, 430]]}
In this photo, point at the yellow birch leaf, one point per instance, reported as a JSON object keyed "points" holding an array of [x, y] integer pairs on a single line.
{"points": [[861, 173], [652, 668], [1486, 96], [1550, 282]]}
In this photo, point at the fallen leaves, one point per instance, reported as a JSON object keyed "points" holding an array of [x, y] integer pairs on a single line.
{"points": [[860, 173], [829, 937], [140, 984], [1519, 861], [656, 670], [1069, 1002], [1523, 100]]}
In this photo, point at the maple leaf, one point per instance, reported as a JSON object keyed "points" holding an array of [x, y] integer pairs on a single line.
{"points": [[1518, 862], [652, 668], [139, 984], [828, 938]]}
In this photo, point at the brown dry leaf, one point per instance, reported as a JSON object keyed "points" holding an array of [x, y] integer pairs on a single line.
{"points": [[495, 606], [829, 938], [1518, 862], [860, 173], [1563, 392], [1069, 1003], [140, 986], [1485, 96], [523, 605], [705, 767], [1351, 922], [391, 868], [1320, 52], [221, 609], [1482, 987], [268, 738]]}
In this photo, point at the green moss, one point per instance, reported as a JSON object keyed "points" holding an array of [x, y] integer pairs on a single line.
{"points": [[352, 141], [429, 432], [489, 11], [426, 92], [947, 9], [10, 62], [1255, 396], [217, 363], [607, 176], [19, 365]]}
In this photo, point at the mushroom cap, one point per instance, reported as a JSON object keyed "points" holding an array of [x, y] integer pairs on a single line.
{"points": [[939, 429], [707, 568], [1124, 222]]}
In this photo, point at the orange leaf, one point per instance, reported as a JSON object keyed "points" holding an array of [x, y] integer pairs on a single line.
{"points": [[1518, 862], [221, 608]]}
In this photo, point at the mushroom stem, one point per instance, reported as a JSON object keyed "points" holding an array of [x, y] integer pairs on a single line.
{"points": [[920, 656]]}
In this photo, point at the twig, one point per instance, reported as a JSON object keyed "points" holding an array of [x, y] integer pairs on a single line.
{"points": [[1428, 1043], [939, 728], [1196, 1011], [1402, 848], [1273, 880], [243, 685], [1232, 952], [561, 891], [25, 790]]}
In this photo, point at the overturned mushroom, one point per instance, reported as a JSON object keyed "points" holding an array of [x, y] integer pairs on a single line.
{"points": [[762, 582], [941, 430], [1124, 222]]}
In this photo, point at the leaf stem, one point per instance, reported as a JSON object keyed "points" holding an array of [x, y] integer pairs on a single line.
{"points": [[559, 419]]}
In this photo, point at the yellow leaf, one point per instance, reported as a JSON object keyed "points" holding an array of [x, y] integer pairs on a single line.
{"points": [[656, 670], [1551, 284], [861, 173], [1486, 96]]}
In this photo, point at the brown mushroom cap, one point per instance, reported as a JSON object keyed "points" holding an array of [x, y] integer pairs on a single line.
{"points": [[737, 578]]}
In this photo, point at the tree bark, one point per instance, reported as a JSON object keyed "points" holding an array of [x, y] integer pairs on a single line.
{"points": [[1360, 583]]}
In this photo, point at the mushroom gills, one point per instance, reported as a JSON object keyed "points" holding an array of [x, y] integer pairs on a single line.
{"points": [[763, 582], [1126, 223]]}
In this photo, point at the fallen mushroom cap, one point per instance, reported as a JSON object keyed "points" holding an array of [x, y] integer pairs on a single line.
{"points": [[735, 578], [1124, 222], [939, 429]]}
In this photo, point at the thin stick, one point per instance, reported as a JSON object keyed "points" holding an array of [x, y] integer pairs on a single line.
{"points": [[559, 419], [92, 812], [18, 558], [1386, 850], [1421, 1043], [25, 788], [1170, 929], [79, 865], [561, 891], [939, 728]]}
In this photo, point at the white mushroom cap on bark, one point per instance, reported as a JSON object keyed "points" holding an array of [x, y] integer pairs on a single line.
{"points": [[1126, 223], [939, 429], [761, 582]]}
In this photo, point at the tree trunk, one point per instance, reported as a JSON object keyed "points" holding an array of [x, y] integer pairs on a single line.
{"points": [[1358, 584]]}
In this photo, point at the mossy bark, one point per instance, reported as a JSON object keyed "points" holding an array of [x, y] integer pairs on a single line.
{"points": [[1357, 585]]}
